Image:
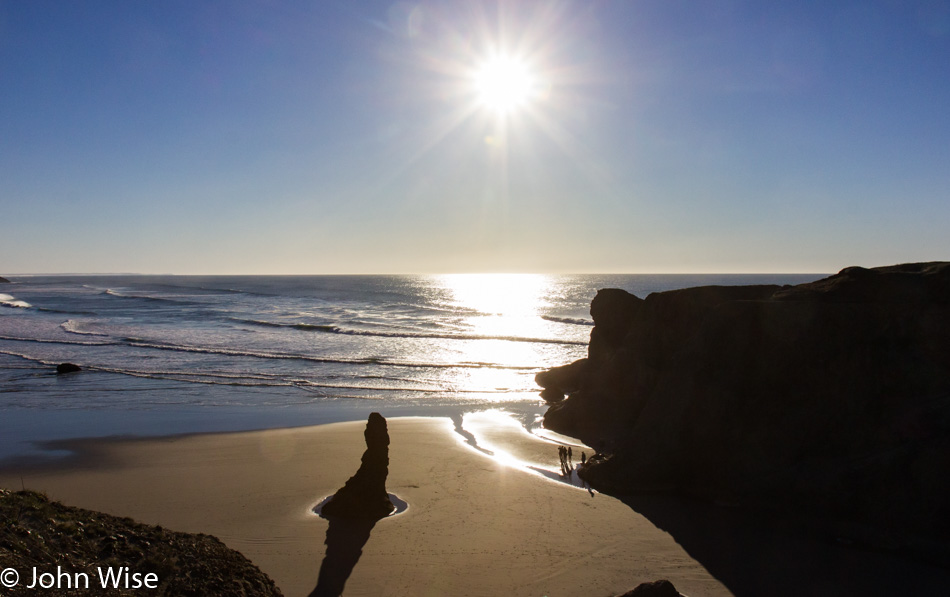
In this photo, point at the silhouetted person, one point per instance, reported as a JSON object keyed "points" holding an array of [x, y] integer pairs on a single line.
{"points": [[583, 458]]}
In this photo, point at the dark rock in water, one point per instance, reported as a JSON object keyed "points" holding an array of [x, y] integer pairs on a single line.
{"points": [[4, 280], [659, 588], [561, 380], [829, 399], [364, 495], [67, 368]]}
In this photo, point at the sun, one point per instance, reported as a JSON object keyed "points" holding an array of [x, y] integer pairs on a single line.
{"points": [[504, 83]]}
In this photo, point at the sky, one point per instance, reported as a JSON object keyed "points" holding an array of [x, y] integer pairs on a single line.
{"points": [[354, 137]]}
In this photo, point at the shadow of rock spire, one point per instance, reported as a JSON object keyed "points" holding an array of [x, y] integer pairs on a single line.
{"points": [[354, 510]]}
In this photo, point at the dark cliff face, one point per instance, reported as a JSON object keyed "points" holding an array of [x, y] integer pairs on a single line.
{"points": [[631, 347], [829, 398]]}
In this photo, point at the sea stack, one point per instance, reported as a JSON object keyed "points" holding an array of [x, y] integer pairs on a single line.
{"points": [[67, 368], [4, 280], [364, 495]]}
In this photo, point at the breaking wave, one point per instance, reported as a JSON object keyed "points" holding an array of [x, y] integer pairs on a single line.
{"points": [[52, 341], [75, 327], [7, 300], [333, 329], [141, 297], [570, 320], [140, 343]]}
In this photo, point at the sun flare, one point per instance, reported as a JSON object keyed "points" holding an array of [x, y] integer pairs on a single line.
{"points": [[504, 83]]}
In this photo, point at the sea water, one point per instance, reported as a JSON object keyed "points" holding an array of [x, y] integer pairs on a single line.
{"points": [[178, 354]]}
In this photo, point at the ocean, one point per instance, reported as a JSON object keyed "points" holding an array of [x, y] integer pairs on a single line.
{"points": [[182, 354]]}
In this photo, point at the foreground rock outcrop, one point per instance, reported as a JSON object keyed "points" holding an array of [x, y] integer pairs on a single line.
{"points": [[829, 399], [659, 588], [364, 494], [35, 532]]}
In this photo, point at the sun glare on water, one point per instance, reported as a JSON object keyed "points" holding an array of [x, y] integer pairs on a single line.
{"points": [[499, 306], [504, 83]]}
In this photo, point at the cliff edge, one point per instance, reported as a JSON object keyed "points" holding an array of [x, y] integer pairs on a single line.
{"points": [[829, 399]]}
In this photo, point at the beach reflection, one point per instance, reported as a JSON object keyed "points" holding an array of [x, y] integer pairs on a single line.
{"points": [[500, 436]]}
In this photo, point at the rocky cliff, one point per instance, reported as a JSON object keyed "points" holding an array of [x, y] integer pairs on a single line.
{"points": [[830, 399]]}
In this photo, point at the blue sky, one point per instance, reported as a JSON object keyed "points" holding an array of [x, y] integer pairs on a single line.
{"points": [[347, 137]]}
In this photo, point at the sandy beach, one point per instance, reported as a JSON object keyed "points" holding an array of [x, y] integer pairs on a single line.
{"points": [[474, 526]]}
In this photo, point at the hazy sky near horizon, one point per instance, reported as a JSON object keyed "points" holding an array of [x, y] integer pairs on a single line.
{"points": [[348, 137]]}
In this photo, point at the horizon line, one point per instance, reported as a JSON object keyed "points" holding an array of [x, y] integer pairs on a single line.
{"points": [[462, 273]]}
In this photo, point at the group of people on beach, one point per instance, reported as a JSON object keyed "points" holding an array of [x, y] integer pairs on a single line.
{"points": [[566, 457]]}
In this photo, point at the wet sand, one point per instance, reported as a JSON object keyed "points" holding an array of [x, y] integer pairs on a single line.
{"points": [[475, 525]]}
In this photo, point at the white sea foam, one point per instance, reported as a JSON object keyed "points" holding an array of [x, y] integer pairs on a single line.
{"points": [[74, 326], [10, 301]]}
